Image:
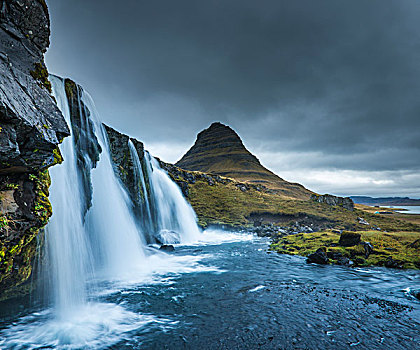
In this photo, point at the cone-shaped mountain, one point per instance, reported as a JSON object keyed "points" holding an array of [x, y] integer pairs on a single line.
{"points": [[219, 150]]}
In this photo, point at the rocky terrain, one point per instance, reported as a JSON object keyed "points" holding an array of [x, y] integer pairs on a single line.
{"points": [[31, 128]]}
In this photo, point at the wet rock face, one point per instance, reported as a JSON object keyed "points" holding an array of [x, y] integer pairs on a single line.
{"points": [[86, 144], [329, 199], [31, 124], [122, 161], [31, 127]]}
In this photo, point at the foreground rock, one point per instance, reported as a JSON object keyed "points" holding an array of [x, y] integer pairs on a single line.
{"points": [[31, 127], [167, 247], [349, 239], [319, 257]]}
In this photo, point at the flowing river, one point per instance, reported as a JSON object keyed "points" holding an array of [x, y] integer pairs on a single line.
{"points": [[227, 292]]}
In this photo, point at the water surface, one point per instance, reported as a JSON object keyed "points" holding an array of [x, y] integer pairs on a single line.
{"points": [[229, 293]]}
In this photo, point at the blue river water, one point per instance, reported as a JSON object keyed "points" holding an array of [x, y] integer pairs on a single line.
{"points": [[231, 293]]}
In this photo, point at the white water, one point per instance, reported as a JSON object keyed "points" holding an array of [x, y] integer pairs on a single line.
{"points": [[146, 212], [173, 214], [93, 254], [118, 244], [67, 250]]}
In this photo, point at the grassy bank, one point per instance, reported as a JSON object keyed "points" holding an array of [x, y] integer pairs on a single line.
{"points": [[237, 204], [402, 246]]}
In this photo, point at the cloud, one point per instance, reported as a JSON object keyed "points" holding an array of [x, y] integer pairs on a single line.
{"points": [[336, 80]]}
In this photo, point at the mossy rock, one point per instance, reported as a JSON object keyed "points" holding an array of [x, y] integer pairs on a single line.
{"points": [[349, 239]]}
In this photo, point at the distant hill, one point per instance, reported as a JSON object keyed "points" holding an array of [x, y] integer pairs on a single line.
{"points": [[219, 150], [391, 201]]}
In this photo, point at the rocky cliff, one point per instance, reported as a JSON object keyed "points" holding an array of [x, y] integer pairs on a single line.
{"points": [[329, 199], [31, 127], [219, 150]]}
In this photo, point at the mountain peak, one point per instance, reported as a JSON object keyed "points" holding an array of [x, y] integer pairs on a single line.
{"points": [[219, 150]]}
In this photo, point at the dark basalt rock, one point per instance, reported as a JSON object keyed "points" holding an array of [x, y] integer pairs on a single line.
{"points": [[31, 127], [349, 239], [319, 257], [31, 123], [334, 255], [395, 264], [85, 141], [167, 247], [344, 261], [122, 162]]}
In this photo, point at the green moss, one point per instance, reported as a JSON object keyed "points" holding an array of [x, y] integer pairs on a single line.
{"points": [[58, 158], [40, 74], [11, 186]]}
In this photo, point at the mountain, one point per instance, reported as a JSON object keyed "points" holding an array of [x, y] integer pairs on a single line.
{"points": [[393, 201], [219, 150]]}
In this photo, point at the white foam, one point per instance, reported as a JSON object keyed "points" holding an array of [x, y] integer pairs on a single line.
{"points": [[256, 289], [94, 325]]}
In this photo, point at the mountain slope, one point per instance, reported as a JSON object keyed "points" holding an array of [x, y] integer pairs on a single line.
{"points": [[219, 150]]}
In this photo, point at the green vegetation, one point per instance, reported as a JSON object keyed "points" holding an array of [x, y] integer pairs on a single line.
{"points": [[228, 204], [40, 74], [401, 246]]}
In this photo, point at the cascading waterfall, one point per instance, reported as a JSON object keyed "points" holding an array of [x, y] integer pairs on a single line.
{"points": [[146, 219], [68, 254], [119, 244], [105, 239], [175, 220]]}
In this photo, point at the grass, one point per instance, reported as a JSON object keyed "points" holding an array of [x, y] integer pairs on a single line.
{"points": [[227, 204], [385, 244]]}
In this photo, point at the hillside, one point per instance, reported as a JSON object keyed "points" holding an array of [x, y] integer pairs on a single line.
{"points": [[219, 150]]}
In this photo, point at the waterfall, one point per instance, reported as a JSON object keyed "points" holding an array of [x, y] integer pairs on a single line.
{"points": [[174, 219], [147, 222], [83, 240], [67, 247]]}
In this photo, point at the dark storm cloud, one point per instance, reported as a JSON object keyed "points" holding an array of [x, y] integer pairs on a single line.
{"points": [[340, 78]]}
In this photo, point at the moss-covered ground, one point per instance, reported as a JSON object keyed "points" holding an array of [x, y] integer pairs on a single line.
{"points": [[402, 246]]}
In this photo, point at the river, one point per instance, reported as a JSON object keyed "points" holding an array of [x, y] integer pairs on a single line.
{"points": [[229, 292]]}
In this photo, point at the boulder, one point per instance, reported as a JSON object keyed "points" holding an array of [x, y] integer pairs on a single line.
{"points": [[394, 264], [319, 257], [349, 239], [334, 255], [344, 261], [167, 247], [362, 221], [167, 237]]}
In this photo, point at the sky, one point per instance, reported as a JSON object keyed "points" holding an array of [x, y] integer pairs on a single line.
{"points": [[325, 93]]}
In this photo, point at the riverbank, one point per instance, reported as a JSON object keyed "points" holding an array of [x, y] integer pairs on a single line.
{"points": [[398, 249]]}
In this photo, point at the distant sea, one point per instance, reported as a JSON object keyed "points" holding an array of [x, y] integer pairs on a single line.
{"points": [[412, 209]]}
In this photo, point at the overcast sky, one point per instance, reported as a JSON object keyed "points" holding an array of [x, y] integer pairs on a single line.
{"points": [[325, 93]]}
